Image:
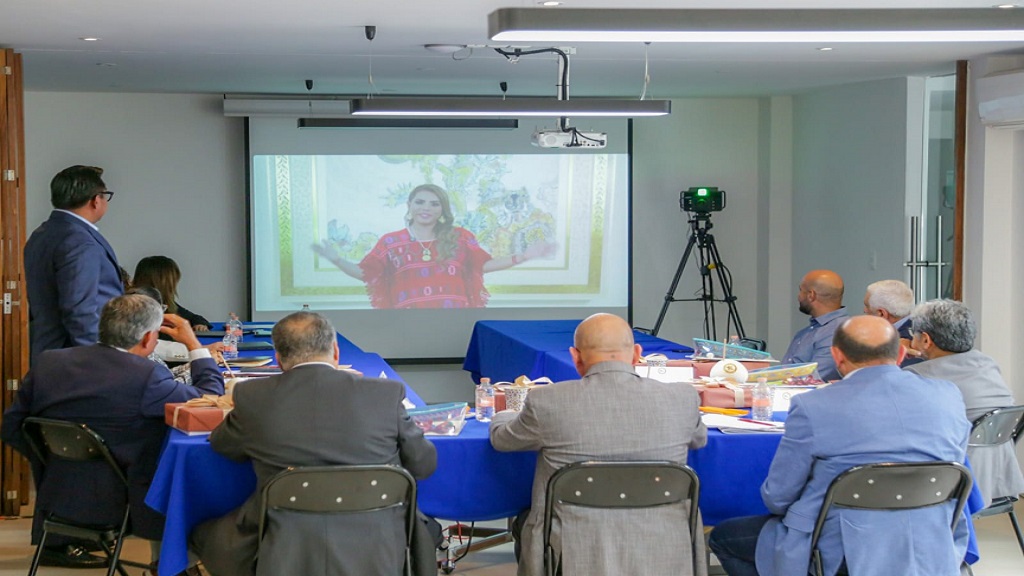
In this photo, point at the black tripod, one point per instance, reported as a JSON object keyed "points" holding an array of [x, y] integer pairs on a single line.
{"points": [[709, 259]]}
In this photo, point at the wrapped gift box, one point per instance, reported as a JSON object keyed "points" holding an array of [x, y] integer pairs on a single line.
{"points": [[725, 396], [194, 420]]}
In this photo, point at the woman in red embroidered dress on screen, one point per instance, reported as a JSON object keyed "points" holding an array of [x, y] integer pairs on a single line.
{"points": [[431, 263]]}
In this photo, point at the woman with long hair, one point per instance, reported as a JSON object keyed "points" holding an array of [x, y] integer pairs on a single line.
{"points": [[162, 273], [431, 263]]}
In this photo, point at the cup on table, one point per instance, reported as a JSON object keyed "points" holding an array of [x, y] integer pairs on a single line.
{"points": [[515, 397]]}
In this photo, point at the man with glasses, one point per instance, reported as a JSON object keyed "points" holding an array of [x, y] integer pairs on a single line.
{"points": [[70, 269]]}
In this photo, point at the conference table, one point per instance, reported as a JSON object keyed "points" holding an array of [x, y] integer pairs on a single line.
{"points": [[473, 482], [506, 349]]}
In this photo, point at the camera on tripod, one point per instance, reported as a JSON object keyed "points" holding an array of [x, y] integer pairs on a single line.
{"points": [[702, 200]]}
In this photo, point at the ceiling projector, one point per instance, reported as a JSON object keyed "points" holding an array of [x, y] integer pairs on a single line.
{"points": [[569, 139]]}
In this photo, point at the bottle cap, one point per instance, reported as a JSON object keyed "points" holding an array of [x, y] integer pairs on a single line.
{"points": [[762, 380], [485, 380]]}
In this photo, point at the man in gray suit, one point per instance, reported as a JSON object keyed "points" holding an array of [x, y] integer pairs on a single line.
{"points": [[609, 414], [944, 332], [313, 415]]}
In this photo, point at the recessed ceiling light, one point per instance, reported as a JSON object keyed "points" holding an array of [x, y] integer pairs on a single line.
{"points": [[824, 49], [550, 3], [444, 48], [90, 39], [1006, 6]]}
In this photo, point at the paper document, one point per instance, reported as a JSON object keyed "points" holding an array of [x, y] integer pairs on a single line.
{"points": [[734, 424]]}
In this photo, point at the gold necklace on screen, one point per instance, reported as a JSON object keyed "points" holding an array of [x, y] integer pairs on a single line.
{"points": [[427, 255]]}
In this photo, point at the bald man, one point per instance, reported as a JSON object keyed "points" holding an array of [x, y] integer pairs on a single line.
{"points": [[821, 297], [611, 413], [876, 413]]}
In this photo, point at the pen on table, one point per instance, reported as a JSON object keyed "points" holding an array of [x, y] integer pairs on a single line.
{"points": [[220, 358], [724, 411], [752, 421]]}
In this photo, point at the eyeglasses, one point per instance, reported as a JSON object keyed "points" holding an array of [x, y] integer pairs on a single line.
{"points": [[108, 194]]}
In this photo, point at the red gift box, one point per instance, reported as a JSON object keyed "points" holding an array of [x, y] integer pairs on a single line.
{"points": [[193, 419], [726, 396]]}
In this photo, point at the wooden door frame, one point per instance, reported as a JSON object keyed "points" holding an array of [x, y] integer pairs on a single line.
{"points": [[14, 473]]}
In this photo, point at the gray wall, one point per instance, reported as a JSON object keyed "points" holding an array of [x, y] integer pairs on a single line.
{"points": [[177, 169], [850, 183]]}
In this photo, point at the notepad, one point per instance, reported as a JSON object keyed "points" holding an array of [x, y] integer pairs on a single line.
{"points": [[255, 345], [251, 361], [731, 424]]}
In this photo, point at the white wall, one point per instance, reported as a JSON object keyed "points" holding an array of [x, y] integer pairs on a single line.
{"points": [[177, 169], [994, 201], [702, 143], [851, 166]]}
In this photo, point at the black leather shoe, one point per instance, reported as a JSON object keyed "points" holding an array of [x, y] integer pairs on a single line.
{"points": [[71, 556]]}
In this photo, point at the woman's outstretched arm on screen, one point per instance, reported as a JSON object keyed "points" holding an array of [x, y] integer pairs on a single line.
{"points": [[542, 249], [328, 251]]}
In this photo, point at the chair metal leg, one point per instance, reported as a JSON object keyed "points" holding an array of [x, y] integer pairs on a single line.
{"points": [[1016, 529], [115, 565], [38, 555]]}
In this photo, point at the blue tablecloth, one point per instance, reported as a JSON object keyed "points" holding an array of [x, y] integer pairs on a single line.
{"points": [[472, 482], [507, 349], [370, 364]]}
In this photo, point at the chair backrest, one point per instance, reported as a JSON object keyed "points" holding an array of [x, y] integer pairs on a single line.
{"points": [[51, 438], [755, 343], [636, 484], [894, 486], [339, 490], [998, 426]]}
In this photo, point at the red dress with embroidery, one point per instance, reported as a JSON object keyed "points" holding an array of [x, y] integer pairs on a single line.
{"points": [[397, 277]]}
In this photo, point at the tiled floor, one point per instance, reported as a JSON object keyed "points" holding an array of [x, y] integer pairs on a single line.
{"points": [[1000, 555]]}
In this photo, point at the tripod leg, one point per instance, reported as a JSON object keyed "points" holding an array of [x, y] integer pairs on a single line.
{"points": [[670, 296], [723, 279], [707, 295]]}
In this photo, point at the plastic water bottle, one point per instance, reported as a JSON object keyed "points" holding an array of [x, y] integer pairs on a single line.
{"points": [[234, 326], [485, 400], [230, 344], [761, 401]]}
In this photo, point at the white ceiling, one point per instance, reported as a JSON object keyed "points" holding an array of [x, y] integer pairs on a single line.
{"points": [[272, 46]]}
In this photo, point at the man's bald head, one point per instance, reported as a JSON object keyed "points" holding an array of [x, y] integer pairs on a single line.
{"points": [[821, 292], [866, 341], [603, 338]]}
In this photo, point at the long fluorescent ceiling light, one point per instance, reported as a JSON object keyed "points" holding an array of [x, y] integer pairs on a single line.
{"points": [[811, 25], [508, 107]]}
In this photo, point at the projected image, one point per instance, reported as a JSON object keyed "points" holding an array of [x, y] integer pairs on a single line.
{"points": [[439, 231]]}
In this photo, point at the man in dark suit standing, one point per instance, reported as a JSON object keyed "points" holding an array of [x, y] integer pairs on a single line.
{"points": [[70, 269], [314, 415], [113, 388]]}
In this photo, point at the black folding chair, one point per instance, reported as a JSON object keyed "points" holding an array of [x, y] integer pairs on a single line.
{"points": [[893, 486], [340, 490], [50, 439], [619, 485], [994, 428]]}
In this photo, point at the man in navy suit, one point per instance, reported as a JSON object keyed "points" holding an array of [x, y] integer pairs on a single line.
{"points": [[876, 413], [70, 269], [113, 388]]}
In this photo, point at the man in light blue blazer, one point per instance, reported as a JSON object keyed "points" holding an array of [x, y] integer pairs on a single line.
{"points": [[876, 413], [70, 269]]}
